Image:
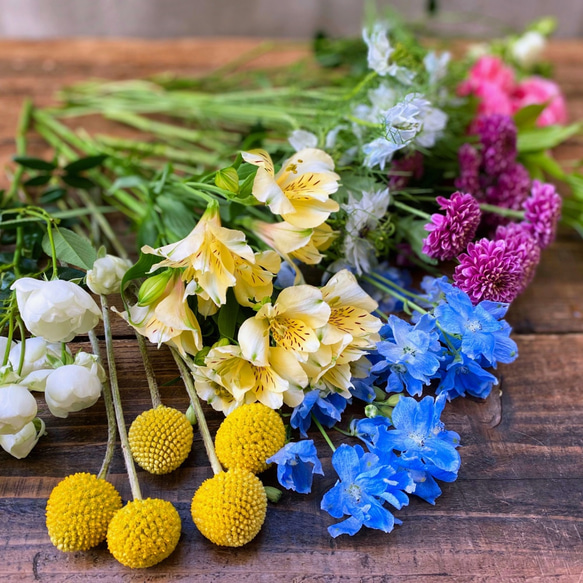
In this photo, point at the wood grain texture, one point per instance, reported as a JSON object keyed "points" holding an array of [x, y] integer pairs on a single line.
{"points": [[514, 515]]}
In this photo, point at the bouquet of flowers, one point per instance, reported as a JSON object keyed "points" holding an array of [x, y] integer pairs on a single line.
{"points": [[372, 218]]}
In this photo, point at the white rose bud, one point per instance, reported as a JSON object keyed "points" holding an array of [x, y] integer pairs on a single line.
{"points": [[56, 310], [106, 275], [91, 363], [528, 48], [71, 388], [36, 351], [17, 408], [20, 444]]}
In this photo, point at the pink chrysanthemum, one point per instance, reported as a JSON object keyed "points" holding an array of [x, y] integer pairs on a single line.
{"points": [[450, 233], [470, 162], [510, 190], [405, 169], [539, 90], [542, 212], [498, 138], [489, 271], [521, 242]]}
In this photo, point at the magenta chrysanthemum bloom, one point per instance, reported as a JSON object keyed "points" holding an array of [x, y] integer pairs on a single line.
{"points": [[522, 243], [405, 169], [510, 190], [489, 271], [498, 138], [470, 162], [450, 233], [542, 212]]}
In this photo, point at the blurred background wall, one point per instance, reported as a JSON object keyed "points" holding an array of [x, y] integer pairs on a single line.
{"points": [[271, 18]]}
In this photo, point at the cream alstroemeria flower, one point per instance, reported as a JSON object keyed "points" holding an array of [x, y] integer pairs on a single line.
{"points": [[254, 281], [168, 320], [300, 191], [291, 322], [210, 387], [351, 312], [280, 381], [208, 255]]}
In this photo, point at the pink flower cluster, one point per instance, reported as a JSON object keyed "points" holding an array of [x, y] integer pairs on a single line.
{"points": [[494, 84]]}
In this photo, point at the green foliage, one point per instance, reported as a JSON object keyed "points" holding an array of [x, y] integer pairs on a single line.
{"points": [[70, 248]]}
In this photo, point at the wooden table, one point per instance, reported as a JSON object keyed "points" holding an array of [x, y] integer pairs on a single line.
{"points": [[514, 514]]}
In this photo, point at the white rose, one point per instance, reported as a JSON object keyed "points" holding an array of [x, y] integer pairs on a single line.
{"points": [[71, 388], [36, 351], [91, 363], [528, 48], [56, 310], [106, 275], [20, 444], [17, 408]]}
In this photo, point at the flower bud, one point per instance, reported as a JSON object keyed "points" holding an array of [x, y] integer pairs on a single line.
{"points": [[153, 288], [71, 388], [91, 363], [528, 48], [17, 408], [227, 179], [371, 411], [106, 274], [20, 444], [191, 415], [38, 354], [56, 310]]}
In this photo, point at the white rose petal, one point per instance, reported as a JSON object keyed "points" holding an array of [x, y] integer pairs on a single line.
{"points": [[20, 444], [106, 275], [56, 310], [71, 388], [36, 351], [528, 48], [17, 408]]}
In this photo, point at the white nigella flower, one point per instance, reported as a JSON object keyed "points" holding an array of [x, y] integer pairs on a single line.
{"points": [[528, 48], [434, 122], [363, 215], [436, 66], [300, 139], [379, 47]]}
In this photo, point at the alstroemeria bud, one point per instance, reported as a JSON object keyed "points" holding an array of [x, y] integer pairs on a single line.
{"points": [[56, 310], [153, 288], [17, 408], [227, 179], [106, 274], [71, 388], [20, 444], [36, 355]]}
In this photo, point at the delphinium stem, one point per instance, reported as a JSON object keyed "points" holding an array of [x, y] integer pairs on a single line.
{"points": [[121, 426], [204, 430], [109, 411], [150, 375], [323, 432]]}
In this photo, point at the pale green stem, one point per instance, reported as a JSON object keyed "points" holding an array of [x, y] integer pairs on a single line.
{"points": [[116, 397], [323, 432], [410, 209], [23, 124], [22, 343], [501, 211], [204, 430], [109, 411], [150, 375]]}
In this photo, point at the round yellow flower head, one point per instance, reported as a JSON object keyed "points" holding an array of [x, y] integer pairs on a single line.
{"points": [[160, 439], [229, 509], [79, 510], [144, 532], [248, 436]]}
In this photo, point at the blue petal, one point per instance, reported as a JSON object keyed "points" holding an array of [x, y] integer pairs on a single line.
{"points": [[349, 526], [346, 463]]}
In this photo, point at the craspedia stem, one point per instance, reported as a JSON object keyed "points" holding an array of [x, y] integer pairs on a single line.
{"points": [[109, 411], [204, 430], [116, 397], [150, 375]]}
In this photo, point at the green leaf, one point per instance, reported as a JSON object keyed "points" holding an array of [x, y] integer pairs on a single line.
{"points": [[544, 163], [52, 195], [137, 271], [39, 180], [545, 138], [177, 217], [84, 164], [127, 182], [526, 117], [78, 181], [71, 248], [34, 163], [227, 316]]}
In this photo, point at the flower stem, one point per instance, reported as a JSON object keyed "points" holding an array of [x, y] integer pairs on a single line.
{"points": [[23, 125], [323, 432], [410, 209], [204, 430], [503, 212], [396, 294], [150, 375], [116, 397], [20, 324], [109, 411]]}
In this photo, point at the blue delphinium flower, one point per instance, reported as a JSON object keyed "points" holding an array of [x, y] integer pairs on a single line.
{"points": [[460, 375], [411, 357], [368, 430], [327, 410], [293, 469], [419, 435], [361, 491]]}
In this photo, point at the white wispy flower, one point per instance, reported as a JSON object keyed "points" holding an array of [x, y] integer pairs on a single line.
{"points": [[436, 65], [379, 48], [434, 122], [300, 139], [364, 215]]}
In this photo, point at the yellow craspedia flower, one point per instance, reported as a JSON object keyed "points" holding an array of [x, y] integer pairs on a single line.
{"points": [[160, 439], [144, 532], [248, 436], [79, 510], [229, 509]]}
